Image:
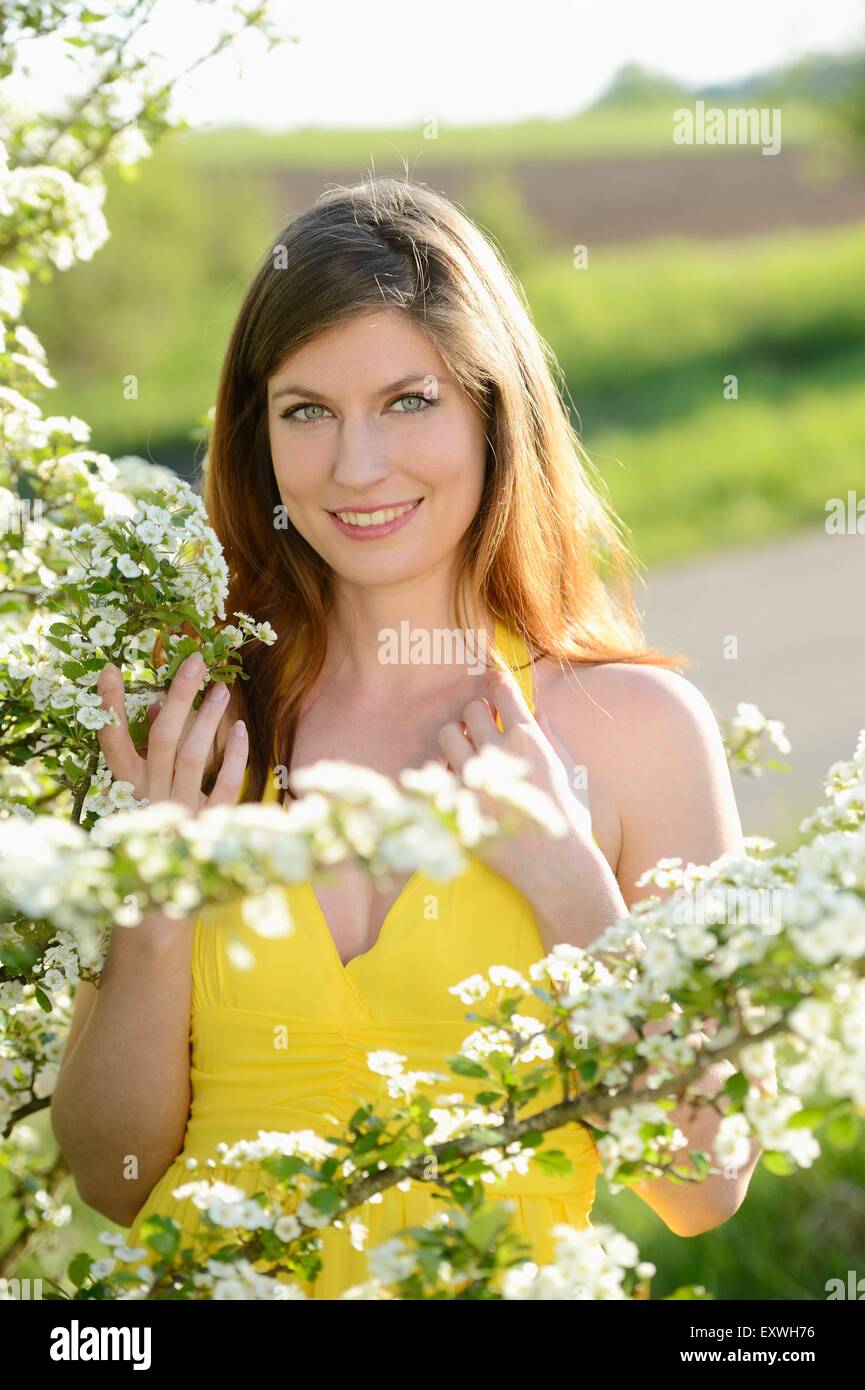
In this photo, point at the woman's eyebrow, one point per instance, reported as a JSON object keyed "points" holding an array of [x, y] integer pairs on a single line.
{"points": [[295, 389]]}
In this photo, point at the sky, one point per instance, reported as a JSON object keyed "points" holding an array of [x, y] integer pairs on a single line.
{"points": [[394, 62]]}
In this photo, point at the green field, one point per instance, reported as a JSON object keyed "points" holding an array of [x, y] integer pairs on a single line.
{"points": [[603, 130], [646, 339]]}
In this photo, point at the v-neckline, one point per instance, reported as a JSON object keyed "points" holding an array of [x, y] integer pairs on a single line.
{"points": [[345, 965], [509, 644]]}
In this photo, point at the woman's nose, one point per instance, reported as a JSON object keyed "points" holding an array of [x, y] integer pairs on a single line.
{"points": [[360, 455]]}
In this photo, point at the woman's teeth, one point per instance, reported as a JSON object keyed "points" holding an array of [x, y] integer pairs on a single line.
{"points": [[375, 518]]}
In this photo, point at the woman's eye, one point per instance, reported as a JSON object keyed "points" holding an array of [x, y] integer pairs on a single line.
{"points": [[413, 410], [294, 413], [298, 412]]}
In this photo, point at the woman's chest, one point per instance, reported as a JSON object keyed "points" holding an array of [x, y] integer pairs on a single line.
{"points": [[353, 906]]}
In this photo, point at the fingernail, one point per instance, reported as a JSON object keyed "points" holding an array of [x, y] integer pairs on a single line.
{"points": [[239, 729], [193, 665], [219, 693]]}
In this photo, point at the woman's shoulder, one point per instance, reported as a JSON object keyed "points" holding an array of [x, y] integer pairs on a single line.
{"points": [[635, 722], [655, 761], [618, 695]]}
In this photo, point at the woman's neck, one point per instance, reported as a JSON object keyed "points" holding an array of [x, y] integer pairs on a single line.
{"points": [[385, 646]]}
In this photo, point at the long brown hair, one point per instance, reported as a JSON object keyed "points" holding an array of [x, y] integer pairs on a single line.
{"points": [[545, 551]]}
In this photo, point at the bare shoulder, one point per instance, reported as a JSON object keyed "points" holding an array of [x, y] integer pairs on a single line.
{"points": [[624, 701], [656, 768]]}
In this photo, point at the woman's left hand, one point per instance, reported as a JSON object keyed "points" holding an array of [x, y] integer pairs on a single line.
{"points": [[522, 856]]}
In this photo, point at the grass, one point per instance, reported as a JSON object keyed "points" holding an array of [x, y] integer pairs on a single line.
{"points": [[605, 130], [647, 339], [738, 471], [641, 318]]}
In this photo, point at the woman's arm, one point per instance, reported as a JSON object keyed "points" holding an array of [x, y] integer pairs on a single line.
{"points": [[653, 743], [675, 799], [122, 1098], [121, 1101]]}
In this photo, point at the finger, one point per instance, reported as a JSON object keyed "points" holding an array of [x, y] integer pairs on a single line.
{"points": [[194, 751], [167, 728], [507, 699], [153, 714], [559, 748], [478, 719], [114, 740], [455, 746], [229, 783], [576, 773]]}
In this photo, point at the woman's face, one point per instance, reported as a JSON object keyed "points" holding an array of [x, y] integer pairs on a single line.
{"points": [[365, 423]]}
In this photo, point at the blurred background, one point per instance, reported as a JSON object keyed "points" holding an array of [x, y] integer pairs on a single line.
{"points": [[553, 128]]}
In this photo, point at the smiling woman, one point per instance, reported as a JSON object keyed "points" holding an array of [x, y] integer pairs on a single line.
{"points": [[390, 447], [335, 470]]}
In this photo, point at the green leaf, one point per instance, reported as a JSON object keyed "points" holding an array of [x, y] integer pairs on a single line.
{"points": [[79, 1268], [736, 1086], [284, 1166], [72, 669], [483, 1228], [185, 647], [532, 1139], [161, 1234], [326, 1200], [778, 1163], [392, 1154], [484, 1132], [810, 1118], [555, 1162], [366, 1143], [464, 1066], [42, 1000]]}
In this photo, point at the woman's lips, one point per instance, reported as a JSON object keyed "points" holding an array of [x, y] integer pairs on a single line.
{"points": [[371, 533]]}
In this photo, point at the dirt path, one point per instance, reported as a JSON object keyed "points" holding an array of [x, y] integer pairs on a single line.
{"points": [[797, 608]]}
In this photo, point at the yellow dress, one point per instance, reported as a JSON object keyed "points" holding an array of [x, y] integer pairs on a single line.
{"points": [[282, 1046]]}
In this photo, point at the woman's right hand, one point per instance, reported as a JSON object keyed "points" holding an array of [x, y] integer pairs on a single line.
{"points": [[180, 743]]}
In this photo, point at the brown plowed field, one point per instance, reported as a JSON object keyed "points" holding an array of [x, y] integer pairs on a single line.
{"points": [[719, 193]]}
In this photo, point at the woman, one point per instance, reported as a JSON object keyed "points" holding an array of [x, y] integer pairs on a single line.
{"points": [[390, 449]]}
